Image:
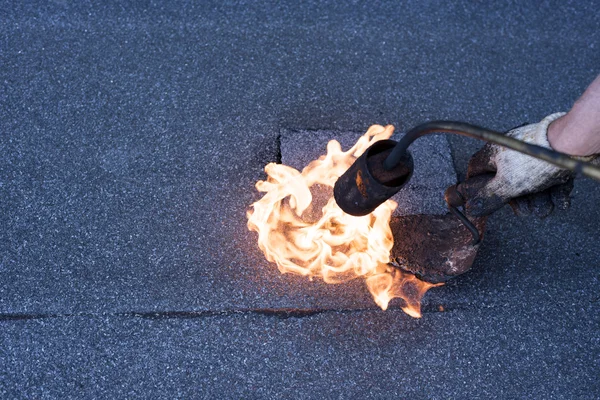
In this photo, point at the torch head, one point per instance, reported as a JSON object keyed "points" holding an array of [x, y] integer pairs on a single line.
{"points": [[367, 184]]}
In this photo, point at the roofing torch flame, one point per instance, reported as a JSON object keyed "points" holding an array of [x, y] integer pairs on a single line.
{"points": [[301, 228]]}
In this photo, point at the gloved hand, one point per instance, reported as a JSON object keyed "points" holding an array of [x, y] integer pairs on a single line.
{"points": [[497, 176]]}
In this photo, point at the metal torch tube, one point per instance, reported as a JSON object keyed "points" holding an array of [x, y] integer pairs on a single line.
{"points": [[461, 128]]}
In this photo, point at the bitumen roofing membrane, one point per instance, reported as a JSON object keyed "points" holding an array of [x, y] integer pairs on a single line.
{"points": [[131, 136]]}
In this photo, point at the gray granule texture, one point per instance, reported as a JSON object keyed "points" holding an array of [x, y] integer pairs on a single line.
{"points": [[132, 135]]}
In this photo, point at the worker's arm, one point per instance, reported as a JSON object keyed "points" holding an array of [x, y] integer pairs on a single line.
{"points": [[528, 184], [578, 132]]}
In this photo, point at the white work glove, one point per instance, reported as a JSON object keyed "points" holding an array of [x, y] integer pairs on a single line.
{"points": [[497, 176]]}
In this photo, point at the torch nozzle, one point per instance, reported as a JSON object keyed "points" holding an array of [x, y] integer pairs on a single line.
{"points": [[367, 183]]}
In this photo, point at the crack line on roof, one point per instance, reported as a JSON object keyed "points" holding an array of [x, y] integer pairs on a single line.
{"points": [[281, 313]]}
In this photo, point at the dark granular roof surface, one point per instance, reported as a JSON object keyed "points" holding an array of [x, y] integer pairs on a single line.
{"points": [[131, 136]]}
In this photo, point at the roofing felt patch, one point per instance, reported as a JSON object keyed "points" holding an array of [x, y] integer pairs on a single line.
{"points": [[424, 193]]}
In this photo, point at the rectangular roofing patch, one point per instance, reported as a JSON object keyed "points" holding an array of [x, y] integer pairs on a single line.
{"points": [[424, 193]]}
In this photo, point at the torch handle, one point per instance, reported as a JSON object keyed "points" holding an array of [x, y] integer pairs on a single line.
{"points": [[461, 128]]}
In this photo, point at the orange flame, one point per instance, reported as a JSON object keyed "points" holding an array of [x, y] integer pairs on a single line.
{"points": [[301, 228]]}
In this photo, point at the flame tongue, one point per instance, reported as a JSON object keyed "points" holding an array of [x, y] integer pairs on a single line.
{"points": [[301, 228]]}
